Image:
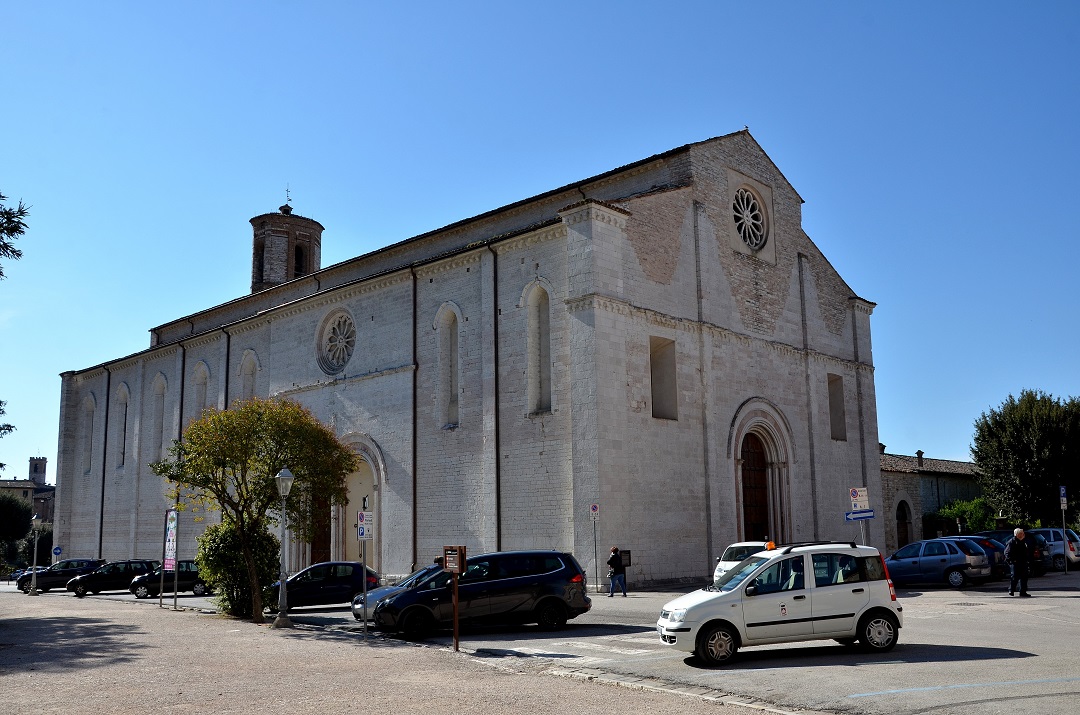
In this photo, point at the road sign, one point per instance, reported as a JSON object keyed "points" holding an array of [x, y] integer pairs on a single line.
{"points": [[365, 526], [57, 551], [860, 500], [1064, 501], [594, 512], [858, 515]]}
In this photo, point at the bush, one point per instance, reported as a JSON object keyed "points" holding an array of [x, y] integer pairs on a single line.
{"points": [[976, 515], [221, 564]]}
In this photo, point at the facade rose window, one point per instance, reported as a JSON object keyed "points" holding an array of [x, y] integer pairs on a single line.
{"points": [[750, 219], [337, 343]]}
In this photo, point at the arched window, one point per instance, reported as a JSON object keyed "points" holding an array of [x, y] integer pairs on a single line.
{"points": [[121, 426], [299, 261], [247, 376], [87, 446], [539, 350], [447, 340], [157, 423]]}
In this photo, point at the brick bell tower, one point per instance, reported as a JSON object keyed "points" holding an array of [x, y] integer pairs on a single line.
{"points": [[284, 247]]}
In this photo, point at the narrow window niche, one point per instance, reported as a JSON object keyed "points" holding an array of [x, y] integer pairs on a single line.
{"points": [[837, 414], [665, 392]]}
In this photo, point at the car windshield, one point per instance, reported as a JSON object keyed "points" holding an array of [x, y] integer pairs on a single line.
{"points": [[738, 573], [738, 553], [415, 576]]}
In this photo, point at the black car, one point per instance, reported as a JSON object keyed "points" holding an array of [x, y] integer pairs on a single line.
{"points": [[1041, 560], [186, 577], [58, 574], [324, 584], [542, 587], [113, 576]]}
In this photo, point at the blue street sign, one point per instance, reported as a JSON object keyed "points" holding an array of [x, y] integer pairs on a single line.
{"points": [[858, 515], [57, 551]]}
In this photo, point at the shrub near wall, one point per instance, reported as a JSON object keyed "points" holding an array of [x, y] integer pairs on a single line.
{"points": [[221, 564]]}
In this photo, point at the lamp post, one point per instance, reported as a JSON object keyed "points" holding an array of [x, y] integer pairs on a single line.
{"points": [[284, 485], [36, 522]]}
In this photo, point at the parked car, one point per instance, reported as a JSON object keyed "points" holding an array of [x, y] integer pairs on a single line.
{"points": [[542, 587], [113, 576], [956, 563], [364, 606], [1041, 561], [186, 577], [995, 551], [58, 574], [14, 575], [735, 553], [767, 598], [325, 584], [1060, 549]]}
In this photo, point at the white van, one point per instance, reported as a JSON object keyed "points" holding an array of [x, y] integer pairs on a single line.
{"points": [[766, 598]]}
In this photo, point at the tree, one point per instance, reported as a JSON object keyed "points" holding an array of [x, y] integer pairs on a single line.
{"points": [[1024, 450], [15, 522], [5, 429], [221, 565], [12, 226], [228, 459]]}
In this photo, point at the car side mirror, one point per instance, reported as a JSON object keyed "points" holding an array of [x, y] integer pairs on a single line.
{"points": [[751, 590]]}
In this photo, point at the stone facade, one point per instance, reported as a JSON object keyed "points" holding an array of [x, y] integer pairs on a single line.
{"points": [[625, 341], [914, 487]]}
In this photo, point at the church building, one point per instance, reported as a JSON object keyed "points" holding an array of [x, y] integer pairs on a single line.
{"points": [[656, 357]]}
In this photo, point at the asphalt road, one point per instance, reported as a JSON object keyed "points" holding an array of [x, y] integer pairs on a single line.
{"points": [[968, 652]]}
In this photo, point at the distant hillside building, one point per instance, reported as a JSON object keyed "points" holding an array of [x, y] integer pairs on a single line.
{"points": [[33, 489], [662, 341], [915, 487]]}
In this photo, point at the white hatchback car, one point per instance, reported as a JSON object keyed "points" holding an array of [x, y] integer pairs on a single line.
{"points": [[766, 599], [735, 553]]}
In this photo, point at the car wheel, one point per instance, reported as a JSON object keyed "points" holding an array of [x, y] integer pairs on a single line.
{"points": [[81, 591], [956, 578], [25, 588], [878, 632], [551, 616], [717, 645], [417, 624], [141, 591], [199, 588], [1059, 562]]}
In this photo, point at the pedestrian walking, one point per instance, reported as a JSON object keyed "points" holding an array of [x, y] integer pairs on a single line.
{"points": [[1018, 554], [616, 572]]}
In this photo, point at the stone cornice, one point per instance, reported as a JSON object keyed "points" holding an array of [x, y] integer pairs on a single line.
{"points": [[862, 306], [337, 295], [595, 301], [591, 210], [449, 264], [549, 233], [204, 339], [345, 380]]}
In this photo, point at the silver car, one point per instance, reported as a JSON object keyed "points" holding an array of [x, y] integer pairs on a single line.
{"points": [[363, 605]]}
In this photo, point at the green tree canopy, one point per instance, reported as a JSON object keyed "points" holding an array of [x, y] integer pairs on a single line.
{"points": [[15, 516], [228, 459], [12, 226], [1024, 450]]}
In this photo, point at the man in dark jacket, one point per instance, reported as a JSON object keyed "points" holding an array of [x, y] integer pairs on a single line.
{"points": [[1018, 554], [616, 572]]}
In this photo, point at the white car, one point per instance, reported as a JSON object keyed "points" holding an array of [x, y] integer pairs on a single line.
{"points": [[1061, 547], [735, 553], [767, 599]]}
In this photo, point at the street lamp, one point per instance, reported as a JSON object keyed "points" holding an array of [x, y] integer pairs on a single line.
{"points": [[36, 522], [284, 485]]}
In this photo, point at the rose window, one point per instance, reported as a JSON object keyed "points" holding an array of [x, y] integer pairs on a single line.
{"points": [[750, 219], [338, 343]]}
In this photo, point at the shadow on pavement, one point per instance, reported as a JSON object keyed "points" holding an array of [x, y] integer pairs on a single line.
{"points": [[840, 655], [58, 644]]}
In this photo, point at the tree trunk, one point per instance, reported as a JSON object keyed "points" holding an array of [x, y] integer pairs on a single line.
{"points": [[253, 583]]}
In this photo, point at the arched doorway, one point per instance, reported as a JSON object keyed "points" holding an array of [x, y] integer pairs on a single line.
{"points": [[361, 486], [903, 524], [755, 490]]}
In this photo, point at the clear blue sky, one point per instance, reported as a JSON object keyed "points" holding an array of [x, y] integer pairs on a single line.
{"points": [[935, 143]]}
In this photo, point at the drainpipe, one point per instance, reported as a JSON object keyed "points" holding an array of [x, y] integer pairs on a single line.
{"points": [[415, 451], [104, 462], [495, 359]]}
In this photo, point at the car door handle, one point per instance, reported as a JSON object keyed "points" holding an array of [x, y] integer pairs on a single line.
{"points": [[800, 598], [857, 590]]}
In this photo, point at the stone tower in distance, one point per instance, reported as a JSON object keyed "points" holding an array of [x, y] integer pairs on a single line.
{"points": [[284, 247]]}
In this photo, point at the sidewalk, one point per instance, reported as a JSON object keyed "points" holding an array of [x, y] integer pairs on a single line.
{"points": [[60, 654]]}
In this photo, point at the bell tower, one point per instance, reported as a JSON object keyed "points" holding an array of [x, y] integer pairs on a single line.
{"points": [[284, 247]]}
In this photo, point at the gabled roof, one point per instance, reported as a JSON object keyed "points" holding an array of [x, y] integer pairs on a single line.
{"points": [[911, 465]]}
